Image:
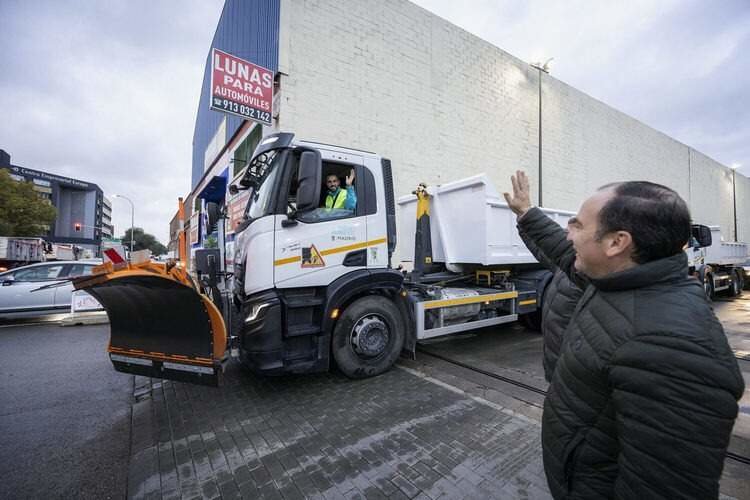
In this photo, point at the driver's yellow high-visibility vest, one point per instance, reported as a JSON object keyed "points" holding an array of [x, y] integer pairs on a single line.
{"points": [[336, 200]]}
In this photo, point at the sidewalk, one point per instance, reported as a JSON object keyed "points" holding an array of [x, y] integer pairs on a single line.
{"points": [[324, 436]]}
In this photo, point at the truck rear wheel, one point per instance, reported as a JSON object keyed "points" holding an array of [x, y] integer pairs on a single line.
{"points": [[532, 321], [368, 337], [737, 283]]}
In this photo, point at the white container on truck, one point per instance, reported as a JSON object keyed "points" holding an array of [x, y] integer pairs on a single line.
{"points": [[314, 285], [20, 251], [471, 224]]}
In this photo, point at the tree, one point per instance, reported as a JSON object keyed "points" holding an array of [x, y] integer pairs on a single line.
{"points": [[22, 211], [143, 241]]}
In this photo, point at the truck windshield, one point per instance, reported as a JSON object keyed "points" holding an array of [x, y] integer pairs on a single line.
{"points": [[265, 169]]}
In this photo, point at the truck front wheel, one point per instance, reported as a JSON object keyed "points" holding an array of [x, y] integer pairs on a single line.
{"points": [[708, 286], [368, 337]]}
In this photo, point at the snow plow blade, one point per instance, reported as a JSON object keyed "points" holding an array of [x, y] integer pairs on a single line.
{"points": [[161, 325]]}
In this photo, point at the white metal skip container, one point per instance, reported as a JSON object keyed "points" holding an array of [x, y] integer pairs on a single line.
{"points": [[470, 224]]}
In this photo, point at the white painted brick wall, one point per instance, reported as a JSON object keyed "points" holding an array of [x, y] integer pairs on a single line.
{"points": [[443, 104]]}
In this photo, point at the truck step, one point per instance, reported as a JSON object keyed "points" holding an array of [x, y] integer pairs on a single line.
{"points": [[299, 330]]}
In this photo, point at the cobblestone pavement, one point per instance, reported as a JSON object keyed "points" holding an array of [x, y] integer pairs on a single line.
{"points": [[324, 436]]}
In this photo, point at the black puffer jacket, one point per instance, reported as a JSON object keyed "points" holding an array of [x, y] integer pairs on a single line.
{"points": [[644, 395], [558, 303]]}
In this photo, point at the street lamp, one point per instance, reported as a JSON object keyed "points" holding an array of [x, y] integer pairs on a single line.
{"points": [[132, 219], [734, 168], [543, 68]]}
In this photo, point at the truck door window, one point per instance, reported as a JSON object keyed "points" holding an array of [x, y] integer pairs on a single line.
{"points": [[337, 201]]}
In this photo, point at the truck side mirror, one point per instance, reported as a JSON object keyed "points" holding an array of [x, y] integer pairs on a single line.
{"points": [[702, 234], [214, 213], [8, 281], [308, 188]]}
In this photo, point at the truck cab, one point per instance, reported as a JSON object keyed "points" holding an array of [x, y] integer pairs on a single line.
{"points": [[299, 265]]}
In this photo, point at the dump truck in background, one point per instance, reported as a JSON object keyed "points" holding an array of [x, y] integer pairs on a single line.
{"points": [[312, 286], [17, 251], [21, 251], [718, 264]]}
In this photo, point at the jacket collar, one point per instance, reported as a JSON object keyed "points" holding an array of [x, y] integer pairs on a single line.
{"points": [[665, 270]]}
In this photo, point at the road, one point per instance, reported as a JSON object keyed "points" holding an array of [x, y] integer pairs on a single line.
{"points": [[73, 428], [64, 413]]}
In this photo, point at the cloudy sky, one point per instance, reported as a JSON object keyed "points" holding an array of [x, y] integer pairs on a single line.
{"points": [[107, 91]]}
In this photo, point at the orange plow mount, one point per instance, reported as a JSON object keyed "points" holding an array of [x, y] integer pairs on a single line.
{"points": [[161, 325]]}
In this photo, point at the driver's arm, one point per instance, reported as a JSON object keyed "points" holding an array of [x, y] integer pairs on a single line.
{"points": [[351, 192]]}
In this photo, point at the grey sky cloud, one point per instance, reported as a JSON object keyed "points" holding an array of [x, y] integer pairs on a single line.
{"points": [[108, 91]]}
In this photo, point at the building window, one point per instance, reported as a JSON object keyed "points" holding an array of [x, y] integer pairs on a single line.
{"points": [[244, 153]]}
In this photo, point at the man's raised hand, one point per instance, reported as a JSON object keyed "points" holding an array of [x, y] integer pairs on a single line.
{"points": [[350, 178], [520, 202]]}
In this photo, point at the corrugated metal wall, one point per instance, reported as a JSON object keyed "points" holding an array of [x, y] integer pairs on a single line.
{"points": [[248, 29]]}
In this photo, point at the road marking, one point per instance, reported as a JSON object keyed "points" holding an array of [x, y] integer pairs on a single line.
{"points": [[457, 390]]}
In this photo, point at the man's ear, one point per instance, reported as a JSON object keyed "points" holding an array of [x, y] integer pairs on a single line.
{"points": [[619, 243]]}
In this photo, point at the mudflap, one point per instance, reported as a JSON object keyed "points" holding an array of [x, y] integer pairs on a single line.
{"points": [[161, 328]]}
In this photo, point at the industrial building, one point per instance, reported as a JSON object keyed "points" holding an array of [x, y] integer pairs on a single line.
{"points": [[83, 216], [442, 104]]}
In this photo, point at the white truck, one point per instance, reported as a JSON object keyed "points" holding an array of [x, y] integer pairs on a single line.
{"points": [[717, 264], [17, 251], [314, 285]]}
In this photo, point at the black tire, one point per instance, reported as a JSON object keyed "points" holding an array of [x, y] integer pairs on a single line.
{"points": [[368, 337], [532, 321], [708, 287], [737, 283]]}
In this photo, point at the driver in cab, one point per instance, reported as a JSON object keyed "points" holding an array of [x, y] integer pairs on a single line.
{"points": [[338, 197]]}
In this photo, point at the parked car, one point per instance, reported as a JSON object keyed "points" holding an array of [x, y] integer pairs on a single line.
{"points": [[24, 291]]}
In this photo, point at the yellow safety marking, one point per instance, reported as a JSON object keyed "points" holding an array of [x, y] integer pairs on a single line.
{"points": [[355, 246], [470, 300], [329, 251], [527, 302], [288, 260], [423, 203]]}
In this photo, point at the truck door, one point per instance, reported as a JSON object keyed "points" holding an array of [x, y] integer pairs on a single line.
{"points": [[318, 246]]}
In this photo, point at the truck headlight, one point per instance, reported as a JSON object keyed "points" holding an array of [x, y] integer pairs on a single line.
{"points": [[256, 311]]}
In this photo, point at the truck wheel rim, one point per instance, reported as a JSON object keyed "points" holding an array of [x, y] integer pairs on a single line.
{"points": [[370, 336]]}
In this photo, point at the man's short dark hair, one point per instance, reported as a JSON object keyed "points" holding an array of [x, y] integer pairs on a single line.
{"points": [[656, 217]]}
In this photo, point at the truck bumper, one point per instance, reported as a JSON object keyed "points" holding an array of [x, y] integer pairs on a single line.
{"points": [[266, 348]]}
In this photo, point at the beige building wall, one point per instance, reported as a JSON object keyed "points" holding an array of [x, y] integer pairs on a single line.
{"points": [[443, 104]]}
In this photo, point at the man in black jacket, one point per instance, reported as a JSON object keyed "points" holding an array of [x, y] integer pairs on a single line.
{"points": [[644, 395], [558, 303]]}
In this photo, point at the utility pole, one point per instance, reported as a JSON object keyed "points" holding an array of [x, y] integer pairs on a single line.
{"points": [[543, 68], [132, 221]]}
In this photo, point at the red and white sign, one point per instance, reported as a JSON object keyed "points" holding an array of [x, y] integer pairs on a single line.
{"points": [[236, 209], [116, 255], [241, 88]]}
